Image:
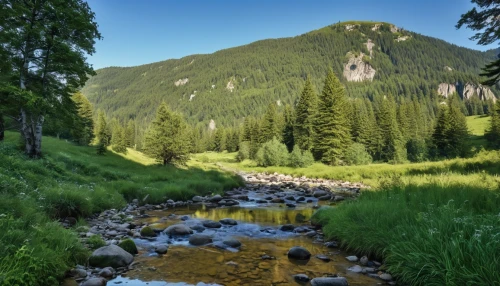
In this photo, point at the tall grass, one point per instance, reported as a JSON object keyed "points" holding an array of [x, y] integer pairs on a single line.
{"points": [[434, 234], [72, 181]]}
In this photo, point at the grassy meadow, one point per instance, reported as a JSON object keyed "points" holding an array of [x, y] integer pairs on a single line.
{"points": [[73, 181]]}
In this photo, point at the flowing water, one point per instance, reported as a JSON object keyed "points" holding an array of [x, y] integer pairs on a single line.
{"points": [[257, 230]]}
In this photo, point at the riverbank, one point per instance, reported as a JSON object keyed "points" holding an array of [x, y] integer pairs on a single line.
{"points": [[72, 182]]}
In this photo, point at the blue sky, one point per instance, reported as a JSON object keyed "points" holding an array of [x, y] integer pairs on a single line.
{"points": [[143, 31]]}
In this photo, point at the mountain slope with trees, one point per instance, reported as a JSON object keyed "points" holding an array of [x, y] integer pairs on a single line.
{"points": [[230, 84]]}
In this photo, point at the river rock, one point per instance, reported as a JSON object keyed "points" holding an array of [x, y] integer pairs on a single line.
{"points": [[107, 272], [228, 221], [212, 224], [298, 252], [234, 243], [197, 227], [199, 239], [95, 282], [363, 260], [161, 249], [352, 258], [197, 199], [325, 197], [216, 198], [323, 257], [385, 276], [277, 200], [329, 281], [331, 244], [287, 227], [178, 229], [301, 278], [111, 255], [319, 193], [290, 205], [355, 269]]}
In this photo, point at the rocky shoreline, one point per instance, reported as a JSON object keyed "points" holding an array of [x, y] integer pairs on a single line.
{"points": [[118, 228]]}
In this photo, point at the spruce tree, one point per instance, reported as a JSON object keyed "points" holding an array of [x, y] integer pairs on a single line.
{"points": [[102, 135], [392, 147], [270, 125], [119, 141], [305, 112], [166, 139], [457, 133], [130, 134], [83, 126], [439, 140], [492, 134], [331, 129], [288, 138], [220, 140]]}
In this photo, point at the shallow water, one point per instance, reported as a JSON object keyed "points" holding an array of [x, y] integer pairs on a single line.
{"points": [[195, 265]]}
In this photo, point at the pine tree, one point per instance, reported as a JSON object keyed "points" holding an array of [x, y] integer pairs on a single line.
{"points": [[439, 139], [83, 126], [220, 140], [457, 133], [331, 129], [305, 112], [392, 147], [102, 135], [288, 138], [118, 139], [166, 138], [492, 134], [270, 125], [130, 134]]}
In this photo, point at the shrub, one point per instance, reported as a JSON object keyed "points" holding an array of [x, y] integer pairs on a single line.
{"points": [[101, 148], [244, 152], [67, 202], [95, 242], [356, 154], [272, 153], [129, 246], [299, 158]]}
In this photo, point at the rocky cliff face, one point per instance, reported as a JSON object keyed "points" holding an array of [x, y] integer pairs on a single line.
{"points": [[466, 91], [357, 70]]}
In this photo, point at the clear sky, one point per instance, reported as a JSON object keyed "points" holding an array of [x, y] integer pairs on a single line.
{"points": [[144, 31]]}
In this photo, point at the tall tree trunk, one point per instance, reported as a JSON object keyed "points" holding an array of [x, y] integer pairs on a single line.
{"points": [[31, 128]]}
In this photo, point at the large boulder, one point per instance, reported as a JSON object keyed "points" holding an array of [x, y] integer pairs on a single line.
{"points": [[178, 229], [199, 239], [95, 282], [298, 252], [112, 256], [228, 221], [329, 281], [231, 242]]}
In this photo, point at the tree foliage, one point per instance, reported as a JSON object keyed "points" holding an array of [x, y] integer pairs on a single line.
{"points": [[166, 139]]}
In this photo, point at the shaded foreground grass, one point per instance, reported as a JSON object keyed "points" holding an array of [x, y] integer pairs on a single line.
{"points": [[72, 181], [437, 234]]}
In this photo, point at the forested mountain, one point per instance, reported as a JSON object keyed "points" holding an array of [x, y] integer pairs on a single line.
{"points": [[377, 58]]}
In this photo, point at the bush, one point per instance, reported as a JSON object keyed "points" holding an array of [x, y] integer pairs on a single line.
{"points": [[244, 152], [272, 153], [356, 154], [95, 242], [299, 158]]}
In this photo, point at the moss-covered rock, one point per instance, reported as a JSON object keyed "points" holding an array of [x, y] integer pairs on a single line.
{"points": [[148, 232], [95, 242], [129, 246]]}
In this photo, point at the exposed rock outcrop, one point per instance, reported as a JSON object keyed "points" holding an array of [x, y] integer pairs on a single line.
{"points": [[369, 46], [191, 97], [376, 27], [394, 29], [350, 27], [357, 70], [181, 81], [402, 38], [211, 125], [466, 91], [230, 85], [447, 68]]}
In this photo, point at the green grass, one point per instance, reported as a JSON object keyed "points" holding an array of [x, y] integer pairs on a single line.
{"points": [[478, 124], [434, 234], [73, 181]]}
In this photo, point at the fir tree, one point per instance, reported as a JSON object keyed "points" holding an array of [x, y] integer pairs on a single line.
{"points": [[220, 140], [305, 112], [270, 124], [166, 138], [492, 134], [102, 135], [83, 126], [439, 139], [118, 139], [331, 128], [457, 133], [392, 147], [288, 138], [130, 134]]}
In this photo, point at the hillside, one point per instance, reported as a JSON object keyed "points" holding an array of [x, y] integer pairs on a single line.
{"points": [[370, 58]]}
